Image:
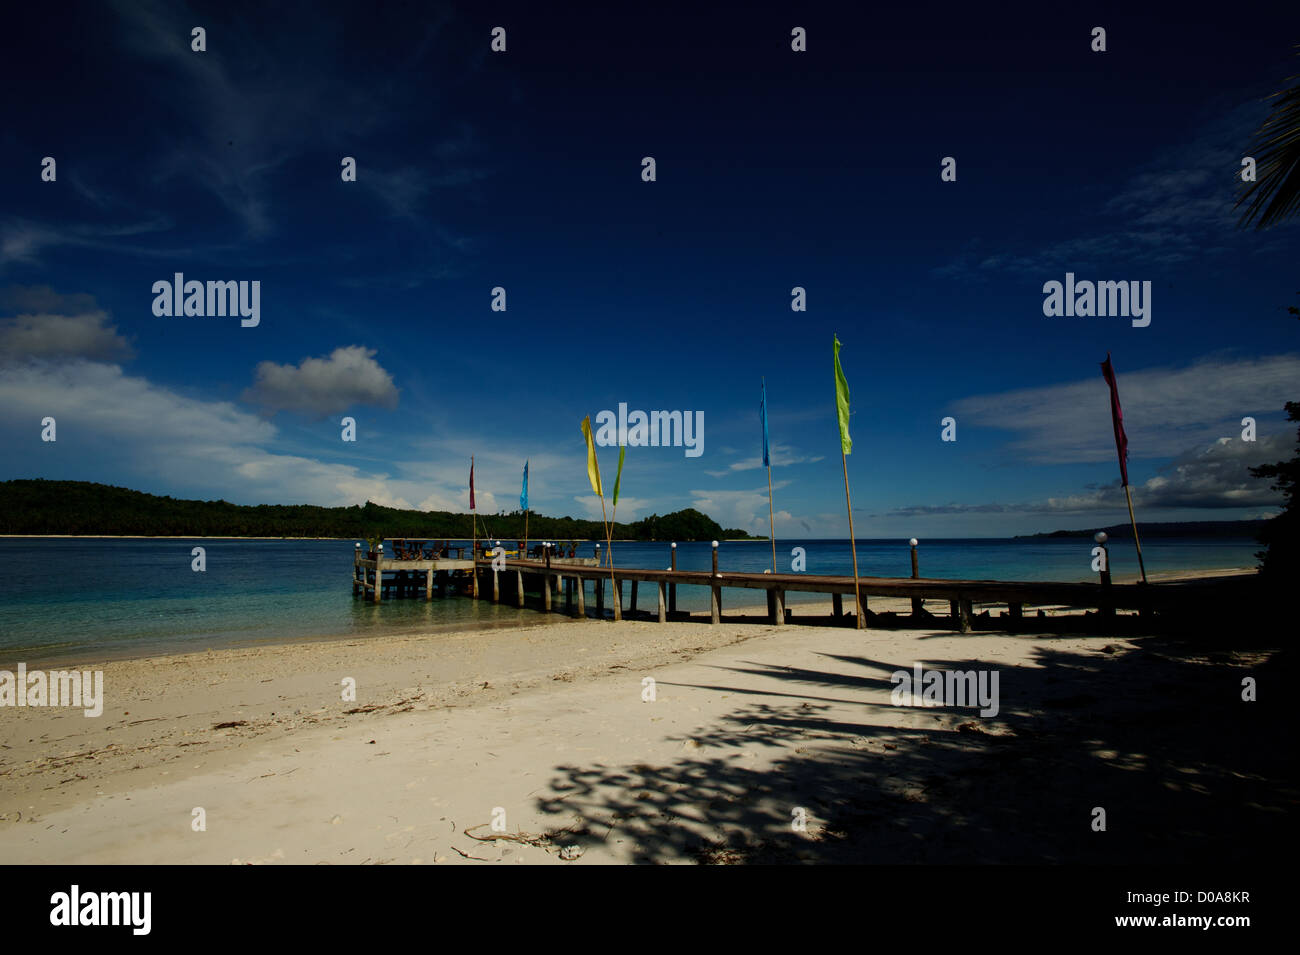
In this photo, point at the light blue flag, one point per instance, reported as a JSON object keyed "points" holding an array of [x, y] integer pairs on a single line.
{"points": [[523, 495]]}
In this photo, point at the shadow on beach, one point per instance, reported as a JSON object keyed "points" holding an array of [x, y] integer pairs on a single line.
{"points": [[1155, 732]]}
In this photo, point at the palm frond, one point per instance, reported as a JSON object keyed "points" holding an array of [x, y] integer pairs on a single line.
{"points": [[1274, 196]]}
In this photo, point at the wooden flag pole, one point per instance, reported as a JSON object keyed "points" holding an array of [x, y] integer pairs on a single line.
{"points": [[609, 551], [767, 460], [771, 521], [1132, 520], [857, 593], [473, 519], [524, 555], [609, 537]]}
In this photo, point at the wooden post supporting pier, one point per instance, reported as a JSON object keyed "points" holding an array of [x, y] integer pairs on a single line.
{"points": [[672, 588], [963, 614], [663, 603], [1106, 610], [917, 603], [715, 605]]}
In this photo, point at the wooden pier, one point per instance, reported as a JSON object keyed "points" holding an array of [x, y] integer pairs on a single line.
{"points": [[411, 567], [561, 585]]}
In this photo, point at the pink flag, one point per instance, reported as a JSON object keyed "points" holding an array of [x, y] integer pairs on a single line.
{"points": [[1116, 419]]}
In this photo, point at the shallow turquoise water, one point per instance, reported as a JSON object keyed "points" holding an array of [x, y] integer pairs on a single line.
{"points": [[69, 596]]}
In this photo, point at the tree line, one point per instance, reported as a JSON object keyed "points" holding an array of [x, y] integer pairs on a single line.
{"points": [[80, 507]]}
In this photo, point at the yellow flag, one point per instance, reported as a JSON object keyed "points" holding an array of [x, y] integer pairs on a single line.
{"points": [[593, 469]]}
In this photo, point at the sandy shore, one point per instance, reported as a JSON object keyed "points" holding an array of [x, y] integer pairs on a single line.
{"points": [[752, 727]]}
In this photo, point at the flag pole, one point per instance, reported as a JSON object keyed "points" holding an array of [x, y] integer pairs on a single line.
{"points": [[771, 521], [1133, 521], [613, 516], [523, 502], [473, 518], [857, 593], [609, 552], [846, 446], [1121, 450], [609, 537], [593, 474]]}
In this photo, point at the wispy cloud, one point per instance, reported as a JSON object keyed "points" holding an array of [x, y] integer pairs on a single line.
{"points": [[781, 456], [1175, 208], [22, 241], [228, 120], [1166, 410], [1215, 476]]}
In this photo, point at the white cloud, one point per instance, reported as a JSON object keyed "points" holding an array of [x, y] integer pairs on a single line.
{"points": [[58, 328], [322, 386], [746, 510], [161, 437], [98, 406], [629, 508]]}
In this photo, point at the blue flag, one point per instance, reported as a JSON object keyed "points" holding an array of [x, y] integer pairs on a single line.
{"points": [[523, 495], [762, 413]]}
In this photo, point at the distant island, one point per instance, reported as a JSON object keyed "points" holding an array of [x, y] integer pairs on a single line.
{"points": [[40, 507], [1237, 529]]}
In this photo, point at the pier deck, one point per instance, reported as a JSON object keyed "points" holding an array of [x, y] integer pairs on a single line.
{"points": [[961, 595], [572, 576]]}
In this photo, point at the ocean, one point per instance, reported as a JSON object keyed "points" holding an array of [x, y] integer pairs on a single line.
{"points": [[104, 598]]}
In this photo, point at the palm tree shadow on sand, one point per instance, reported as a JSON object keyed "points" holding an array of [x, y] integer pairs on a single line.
{"points": [[1159, 737]]}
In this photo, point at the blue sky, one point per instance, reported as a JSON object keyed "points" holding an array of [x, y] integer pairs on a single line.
{"points": [[522, 170]]}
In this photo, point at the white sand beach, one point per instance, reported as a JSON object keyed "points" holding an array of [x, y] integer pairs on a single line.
{"points": [[544, 729]]}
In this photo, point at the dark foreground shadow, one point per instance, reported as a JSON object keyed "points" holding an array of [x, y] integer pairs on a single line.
{"points": [[1159, 737]]}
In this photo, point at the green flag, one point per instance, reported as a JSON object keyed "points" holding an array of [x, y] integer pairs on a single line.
{"points": [[593, 466], [622, 450], [842, 402]]}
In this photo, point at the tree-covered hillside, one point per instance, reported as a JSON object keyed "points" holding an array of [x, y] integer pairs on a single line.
{"points": [[80, 507]]}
